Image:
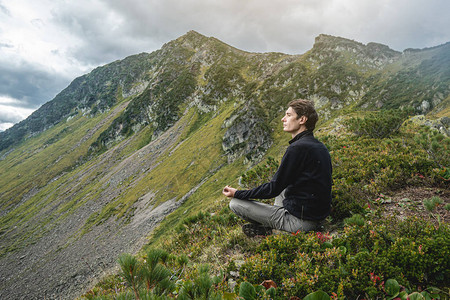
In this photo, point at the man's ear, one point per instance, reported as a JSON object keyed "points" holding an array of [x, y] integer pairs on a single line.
{"points": [[303, 119]]}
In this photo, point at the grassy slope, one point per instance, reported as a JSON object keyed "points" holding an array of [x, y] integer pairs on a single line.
{"points": [[179, 169], [45, 171]]}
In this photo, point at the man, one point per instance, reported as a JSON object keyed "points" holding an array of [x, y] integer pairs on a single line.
{"points": [[301, 185]]}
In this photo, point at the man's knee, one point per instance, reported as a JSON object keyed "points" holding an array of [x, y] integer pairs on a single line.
{"points": [[239, 207], [233, 204]]}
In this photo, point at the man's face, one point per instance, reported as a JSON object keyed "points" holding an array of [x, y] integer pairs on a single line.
{"points": [[291, 124]]}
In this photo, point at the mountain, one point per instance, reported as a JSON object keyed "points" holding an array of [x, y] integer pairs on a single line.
{"points": [[93, 172]]}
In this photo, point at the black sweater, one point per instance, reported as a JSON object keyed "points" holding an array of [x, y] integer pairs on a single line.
{"points": [[305, 172]]}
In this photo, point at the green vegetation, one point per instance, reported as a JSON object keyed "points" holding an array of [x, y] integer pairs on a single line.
{"points": [[380, 258], [415, 80], [380, 124]]}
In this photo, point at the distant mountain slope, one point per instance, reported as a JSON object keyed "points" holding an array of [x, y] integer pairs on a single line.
{"points": [[374, 74], [92, 172], [90, 93]]}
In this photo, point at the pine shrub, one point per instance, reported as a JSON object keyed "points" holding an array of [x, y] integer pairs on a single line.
{"points": [[381, 124]]}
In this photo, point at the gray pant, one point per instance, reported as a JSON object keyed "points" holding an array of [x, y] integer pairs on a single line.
{"points": [[274, 216]]}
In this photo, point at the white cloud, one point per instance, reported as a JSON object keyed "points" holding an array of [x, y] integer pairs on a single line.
{"points": [[8, 100], [4, 126], [12, 111]]}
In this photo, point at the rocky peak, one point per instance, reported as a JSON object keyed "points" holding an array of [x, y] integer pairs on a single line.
{"points": [[329, 42], [192, 41], [380, 51], [370, 56]]}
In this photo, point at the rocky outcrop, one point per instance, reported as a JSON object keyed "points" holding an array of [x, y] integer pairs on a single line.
{"points": [[247, 136], [442, 124]]}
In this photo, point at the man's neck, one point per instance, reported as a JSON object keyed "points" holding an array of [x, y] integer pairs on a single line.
{"points": [[300, 135], [301, 129]]}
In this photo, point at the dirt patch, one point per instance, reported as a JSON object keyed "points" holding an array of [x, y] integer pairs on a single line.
{"points": [[416, 201]]}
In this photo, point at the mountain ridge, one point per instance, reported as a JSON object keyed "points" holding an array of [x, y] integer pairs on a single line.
{"points": [[106, 94]]}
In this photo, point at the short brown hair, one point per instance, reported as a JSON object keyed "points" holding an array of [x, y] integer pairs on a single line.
{"points": [[305, 108]]}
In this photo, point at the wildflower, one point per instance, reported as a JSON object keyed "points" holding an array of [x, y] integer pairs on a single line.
{"points": [[420, 250], [322, 237], [375, 278]]}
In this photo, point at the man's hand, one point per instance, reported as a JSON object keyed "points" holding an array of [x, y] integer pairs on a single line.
{"points": [[228, 191]]}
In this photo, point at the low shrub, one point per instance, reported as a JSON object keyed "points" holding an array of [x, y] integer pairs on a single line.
{"points": [[436, 145], [358, 262], [365, 167], [379, 124]]}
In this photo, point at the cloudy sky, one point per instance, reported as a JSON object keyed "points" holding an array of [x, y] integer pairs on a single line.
{"points": [[45, 44]]}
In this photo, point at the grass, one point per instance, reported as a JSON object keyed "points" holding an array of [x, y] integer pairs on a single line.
{"points": [[353, 262]]}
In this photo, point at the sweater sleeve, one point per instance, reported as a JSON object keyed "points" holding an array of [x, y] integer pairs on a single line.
{"points": [[285, 175]]}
